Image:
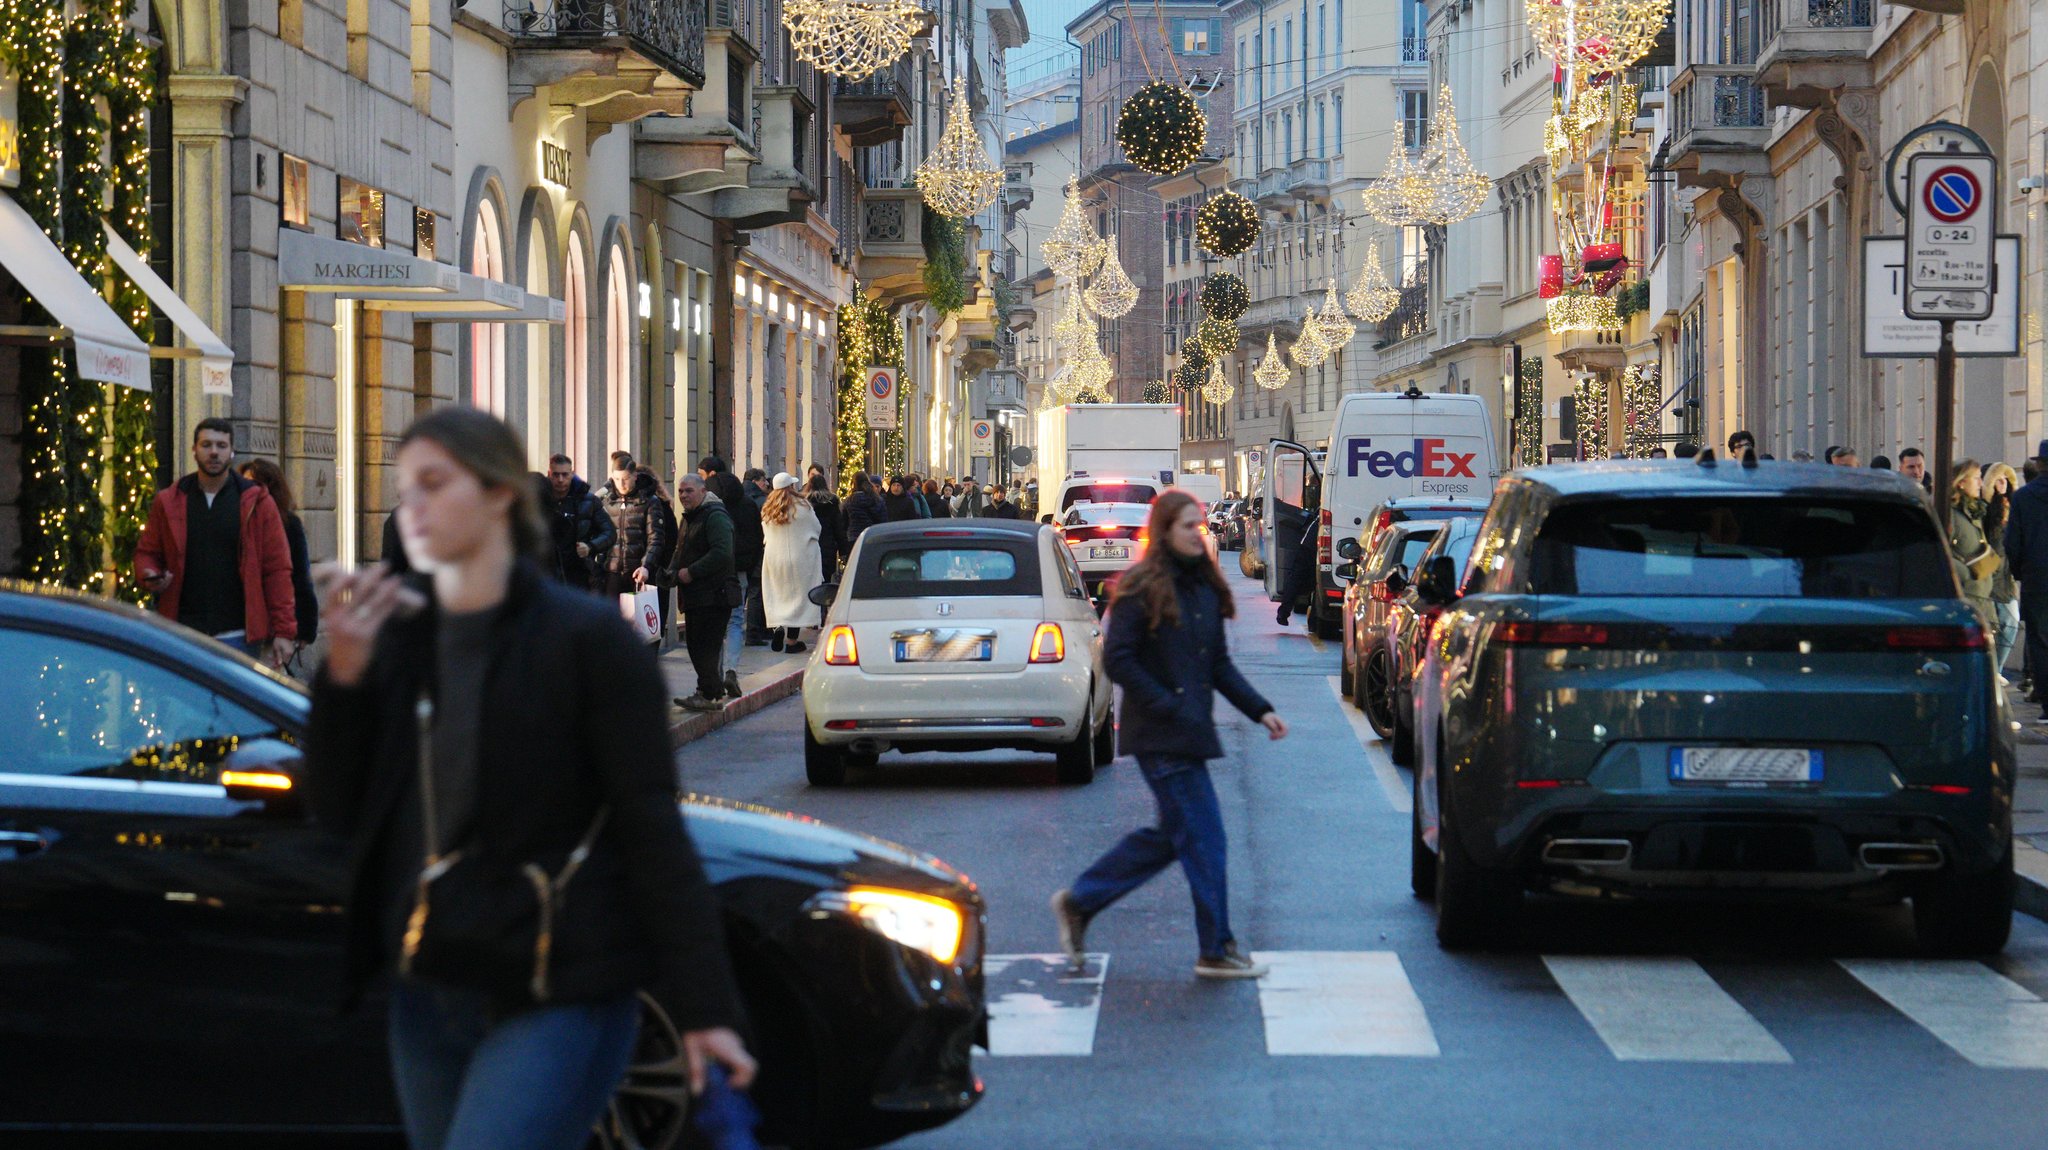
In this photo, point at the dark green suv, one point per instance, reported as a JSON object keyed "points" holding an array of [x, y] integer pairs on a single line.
{"points": [[1676, 679]]}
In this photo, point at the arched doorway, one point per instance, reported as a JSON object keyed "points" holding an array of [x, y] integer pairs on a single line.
{"points": [[487, 340], [619, 308], [576, 355]]}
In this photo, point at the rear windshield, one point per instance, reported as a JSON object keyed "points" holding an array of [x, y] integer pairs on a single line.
{"points": [[913, 569], [1404, 514], [1128, 514], [1749, 548], [1109, 493], [1411, 549]]}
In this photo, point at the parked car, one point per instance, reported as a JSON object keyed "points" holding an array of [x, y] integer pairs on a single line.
{"points": [[1411, 620], [1251, 548], [1405, 508], [173, 920], [1366, 661], [971, 636], [1669, 679], [1225, 525], [1105, 539]]}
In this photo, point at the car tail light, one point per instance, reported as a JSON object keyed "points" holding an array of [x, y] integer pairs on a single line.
{"points": [[1953, 790], [1048, 644], [1968, 637], [1323, 537], [1380, 523], [1047, 721], [1525, 634], [840, 649], [842, 724]]}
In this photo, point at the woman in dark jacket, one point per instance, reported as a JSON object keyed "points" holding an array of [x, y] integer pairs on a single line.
{"points": [[465, 731], [935, 503], [644, 521], [304, 603], [831, 528], [1168, 650], [863, 510]]}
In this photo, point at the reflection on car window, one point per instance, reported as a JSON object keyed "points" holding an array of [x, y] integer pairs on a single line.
{"points": [[1780, 548], [947, 565], [1129, 514], [1110, 493], [73, 708]]}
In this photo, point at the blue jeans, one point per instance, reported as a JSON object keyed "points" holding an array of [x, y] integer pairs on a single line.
{"points": [[2008, 635], [468, 1080], [1190, 829], [736, 629]]}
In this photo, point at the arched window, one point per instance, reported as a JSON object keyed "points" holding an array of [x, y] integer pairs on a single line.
{"points": [[540, 374], [576, 356], [619, 306], [487, 340]]}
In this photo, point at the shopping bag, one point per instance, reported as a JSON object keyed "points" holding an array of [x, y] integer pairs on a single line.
{"points": [[642, 609]]}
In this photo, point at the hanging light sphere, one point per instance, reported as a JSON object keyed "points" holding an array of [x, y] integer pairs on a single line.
{"points": [[1192, 351], [1216, 336], [1272, 372], [1224, 296], [1226, 224], [1157, 391], [1188, 376], [1162, 128]]}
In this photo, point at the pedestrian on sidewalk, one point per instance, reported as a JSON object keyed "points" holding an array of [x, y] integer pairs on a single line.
{"points": [[790, 566], [831, 525], [707, 583], [862, 510], [999, 505], [486, 704], [1168, 649], [2026, 553], [2000, 481], [578, 527], [1975, 559], [646, 529], [935, 500], [968, 504], [746, 549], [305, 604], [213, 551], [1913, 465], [898, 501], [756, 486]]}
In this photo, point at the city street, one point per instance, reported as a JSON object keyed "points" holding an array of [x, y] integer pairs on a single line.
{"points": [[1613, 1025]]}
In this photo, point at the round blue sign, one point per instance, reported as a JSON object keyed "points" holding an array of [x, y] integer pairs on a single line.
{"points": [[1952, 194]]}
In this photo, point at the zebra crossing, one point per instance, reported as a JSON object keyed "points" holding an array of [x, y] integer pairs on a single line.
{"points": [[1362, 1004]]}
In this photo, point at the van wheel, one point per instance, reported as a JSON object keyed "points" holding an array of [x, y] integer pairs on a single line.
{"points": [[1476, 908], [1324, 622], [1075, 763], [823, 766], [1965, 916]]}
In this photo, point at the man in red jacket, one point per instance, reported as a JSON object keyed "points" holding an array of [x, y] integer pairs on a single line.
{"points": [[214, 553]]}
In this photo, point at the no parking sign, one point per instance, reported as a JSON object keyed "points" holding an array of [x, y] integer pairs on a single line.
{"points": [[881, 393], [981, 438]]}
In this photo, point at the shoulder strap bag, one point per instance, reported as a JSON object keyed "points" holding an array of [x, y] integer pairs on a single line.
{"points": [[481, 922]]}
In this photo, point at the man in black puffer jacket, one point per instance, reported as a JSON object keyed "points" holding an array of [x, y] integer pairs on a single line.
{"points": [[646, 530], [746, 552], [577, 524]]}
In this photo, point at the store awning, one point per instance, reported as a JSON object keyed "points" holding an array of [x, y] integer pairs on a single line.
{"points": [[531, 308], [106, 349], [216, 359], [307, 262]]}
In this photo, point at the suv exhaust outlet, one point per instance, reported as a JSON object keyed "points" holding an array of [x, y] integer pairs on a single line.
{"points": [[1588, 852]]}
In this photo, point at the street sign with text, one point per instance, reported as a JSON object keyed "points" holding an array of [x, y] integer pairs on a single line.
{"points": [[881, 393], [981, 438], [1887, 332], [1951, 223]]}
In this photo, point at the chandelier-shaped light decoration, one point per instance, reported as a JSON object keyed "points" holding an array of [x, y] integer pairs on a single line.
{"points": [[1374, 297], [1596, 37], [1309, 350], [1216, 336], [1217, 388], [1333, 327], [1224, 296], [851, 38], [1271, 373], [1111, 293], [957, 178], [1226, 224], [1061, 387], [1162, 128], [1093, 372], [1456, 188], [1399, 196], [1073, 249], [1073, 332]]}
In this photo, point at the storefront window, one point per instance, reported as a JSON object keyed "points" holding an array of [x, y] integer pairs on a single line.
{"points": [[487, 340], [576, 357], [619, 307]]}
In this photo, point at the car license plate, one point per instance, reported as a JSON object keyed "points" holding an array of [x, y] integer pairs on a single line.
{"points": [[1109, 553], [1744, 766], [945, 647]]}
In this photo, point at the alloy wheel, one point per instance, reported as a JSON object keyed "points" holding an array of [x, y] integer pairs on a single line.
{"points": [[651, 1108]]}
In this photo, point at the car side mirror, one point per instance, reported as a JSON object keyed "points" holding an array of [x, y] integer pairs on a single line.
{"points": [[1395, 583], [823, 594], [1349, 549], [1438, 582], [1345, 572], [265, 771]]}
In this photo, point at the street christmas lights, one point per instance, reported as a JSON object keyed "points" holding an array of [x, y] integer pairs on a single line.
{"points": [[853, 39], [1333, 328], [1188, 375], [1226, 224], [1455, 188], [957, 178], [1309, 350], [1589, 415], [1162, 128], [1157, 391], [1111, 293], [1192, 352], [1398, 196], [1580, 310], [1271, 373], [1374, 297], [1217, 389], [1224, 296], [1596, 37], [1216, 336], [1073, 249]]}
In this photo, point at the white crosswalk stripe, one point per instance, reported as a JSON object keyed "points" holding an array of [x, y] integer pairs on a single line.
{"points": [[1342, 1003], [1036, 1007], [1375, 748], [1662, 1009], [1981, 1014]]}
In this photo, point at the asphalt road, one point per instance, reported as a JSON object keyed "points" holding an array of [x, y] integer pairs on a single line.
{"points": [[1614, 1026]]}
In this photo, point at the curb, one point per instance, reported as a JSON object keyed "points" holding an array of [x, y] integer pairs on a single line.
{"points": [[694, 725], [2030, 866]]}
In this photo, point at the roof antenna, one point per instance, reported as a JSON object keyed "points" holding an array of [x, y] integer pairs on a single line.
{"points": [[1705, 458]]}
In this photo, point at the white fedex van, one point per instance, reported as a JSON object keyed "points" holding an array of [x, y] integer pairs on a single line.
{"points": [[1383, 445]]}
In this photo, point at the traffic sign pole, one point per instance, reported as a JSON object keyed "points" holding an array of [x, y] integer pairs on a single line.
{"points": [[1944, 420]]}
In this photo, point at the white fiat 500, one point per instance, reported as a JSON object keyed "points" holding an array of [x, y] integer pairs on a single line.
{"points": [[968, 635]]}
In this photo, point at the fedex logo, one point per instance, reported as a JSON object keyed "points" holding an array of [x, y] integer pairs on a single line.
{"points": [[1428, 459]]}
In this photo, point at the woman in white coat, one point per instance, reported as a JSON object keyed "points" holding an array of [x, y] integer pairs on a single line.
{"points": [[790, 566]]}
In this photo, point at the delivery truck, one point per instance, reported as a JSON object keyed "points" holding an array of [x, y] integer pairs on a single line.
{"points": [[1082, 445]]}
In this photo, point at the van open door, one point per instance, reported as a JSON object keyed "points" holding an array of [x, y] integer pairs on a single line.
{"points": [[1283, 516]]}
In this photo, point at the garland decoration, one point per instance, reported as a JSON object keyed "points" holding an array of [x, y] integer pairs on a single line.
{"points": [[1225, 296], [1642, 399], [134, 460], [945, 263], [1162, 128], [1529, 414], [868, 337], [1589, 411], [1227, 224]]}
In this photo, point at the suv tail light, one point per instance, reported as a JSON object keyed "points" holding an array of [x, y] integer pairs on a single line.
{"points": [[1048, 644], [840, 649], [1323, 537], [1380, 523], [1968, 637], [1525, 634]]}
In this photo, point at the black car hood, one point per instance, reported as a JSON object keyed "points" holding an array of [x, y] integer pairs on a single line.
{"points": [[745, 841]]}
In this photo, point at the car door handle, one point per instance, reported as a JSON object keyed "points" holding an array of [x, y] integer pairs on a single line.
{"points": [[22, 843]]}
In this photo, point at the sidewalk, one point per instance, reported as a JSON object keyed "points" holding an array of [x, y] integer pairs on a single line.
{"points": [[766, 677], [2030, 814]]}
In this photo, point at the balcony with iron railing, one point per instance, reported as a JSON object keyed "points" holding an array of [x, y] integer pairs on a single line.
{"points": [[1719, 125], [877, 109], [618, 59], [1410, 317], [1813, 48], [1414, 49]]}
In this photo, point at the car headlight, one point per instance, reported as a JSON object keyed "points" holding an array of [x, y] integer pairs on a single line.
{"points": [[919, 921]]}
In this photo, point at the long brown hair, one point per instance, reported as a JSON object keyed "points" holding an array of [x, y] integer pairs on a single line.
{"points": [[780, 506], [488, 448], [270, 477], [1148, 583]]}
